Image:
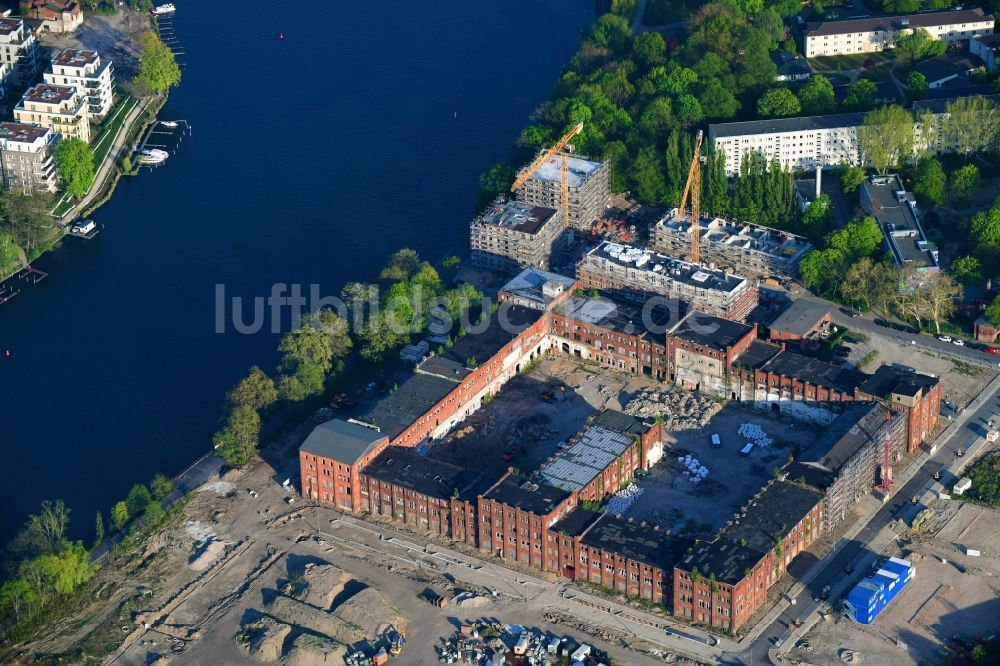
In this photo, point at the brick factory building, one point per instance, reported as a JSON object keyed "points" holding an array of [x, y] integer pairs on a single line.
{"points": [[916, 395], [723, 582], [701, 349], [331, 458]]}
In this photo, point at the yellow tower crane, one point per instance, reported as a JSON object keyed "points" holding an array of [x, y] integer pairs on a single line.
{"points": [[564, 168], [693, 186]]}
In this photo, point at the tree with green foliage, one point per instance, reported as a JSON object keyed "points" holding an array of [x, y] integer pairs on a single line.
{"points": [[338, 330], [237, 442], [985, 226], [817, 218], [74, 161], [993, 311], [649, 48], [28, 218], [929, 181], [823, 270], [964, 182], [978, 652], [306, 346], [647, 176], [816, 97], [98, 529], [916, 86], [918, 44], [161, 486], [778, 103], [970, 124], [860, 96], [9, 254], [715, 185], [153, 512], [611, 32], [716, 101], [158, 70], [967, 269], [851, 177], [871, 283], [402, 265], [256, 390], [119, 515], [616, 154], [885, 138], [497, 180], [900, 6], [861, 237], [137, 499]]}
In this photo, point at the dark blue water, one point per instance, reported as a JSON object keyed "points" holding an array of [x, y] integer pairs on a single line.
{"points": [[311, 160]]}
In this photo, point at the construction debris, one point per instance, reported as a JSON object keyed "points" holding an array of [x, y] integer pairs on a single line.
{"points": [[264, 639], [755, 435], [680, 410], [623, 499], [485, 641]]}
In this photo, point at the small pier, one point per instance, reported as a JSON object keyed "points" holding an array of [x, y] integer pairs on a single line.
{"points": [[163, 135], [165, 28], [11, 287]]}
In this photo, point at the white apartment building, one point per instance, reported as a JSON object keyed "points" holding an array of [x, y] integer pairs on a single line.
{"points": [[18, 49], [800, 144], [869, 35], [26, 157], [62, 109], [84, 70]]}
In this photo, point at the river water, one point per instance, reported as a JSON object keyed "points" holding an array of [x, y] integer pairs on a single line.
{"points": [[311, 159]]}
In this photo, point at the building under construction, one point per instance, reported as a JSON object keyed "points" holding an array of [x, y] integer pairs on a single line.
{"points": [[749, 249], [847, 459], [511, 235], [637, 274], [588, 183]]}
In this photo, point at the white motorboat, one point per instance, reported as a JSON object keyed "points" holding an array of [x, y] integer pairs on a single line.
{"points": [[83, 228], [151, 156], [164, 9], [169, 123]]}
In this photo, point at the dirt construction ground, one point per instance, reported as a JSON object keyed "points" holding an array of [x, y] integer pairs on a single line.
{"points": [[959, 595]]}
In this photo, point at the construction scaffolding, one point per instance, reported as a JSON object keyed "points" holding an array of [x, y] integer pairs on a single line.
{"points": [[511, 235], [587, 185]]}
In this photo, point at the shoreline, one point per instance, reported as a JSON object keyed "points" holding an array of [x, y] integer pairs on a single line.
{"points": [[126, 140]]}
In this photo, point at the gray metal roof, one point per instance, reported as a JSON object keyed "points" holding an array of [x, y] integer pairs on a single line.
{"points": [[800, 317], [341, 441], [582, 461], [926, 20]]}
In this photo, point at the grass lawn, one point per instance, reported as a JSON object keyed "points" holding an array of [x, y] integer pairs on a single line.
{"points": [[878, 73], [109, 128], [846, 62]]}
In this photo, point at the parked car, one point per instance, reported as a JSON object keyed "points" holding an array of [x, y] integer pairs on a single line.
{"points": [[993, 351], [850, 313], [944, 338], [958, 342]]}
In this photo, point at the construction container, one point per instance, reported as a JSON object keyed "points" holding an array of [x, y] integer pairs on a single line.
{"points": [[871, 596], [962, 485]]}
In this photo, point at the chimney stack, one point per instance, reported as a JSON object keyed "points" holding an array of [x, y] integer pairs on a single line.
{"points": [[819, 180]]}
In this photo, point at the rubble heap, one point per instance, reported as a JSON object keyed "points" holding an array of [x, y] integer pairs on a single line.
{"points": [[680, 410]]}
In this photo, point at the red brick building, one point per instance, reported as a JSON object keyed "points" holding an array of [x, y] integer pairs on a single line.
{"points": [[515, 517], [604, 456], [331, 459], [984, 330], [613, 332], [446, 388], [723, 582], [415, 490], [701, 350], [803, 323], [916, 395]]}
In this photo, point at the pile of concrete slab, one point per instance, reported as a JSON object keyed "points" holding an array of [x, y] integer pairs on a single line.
{"points": [[755, 435], [680, 410]]}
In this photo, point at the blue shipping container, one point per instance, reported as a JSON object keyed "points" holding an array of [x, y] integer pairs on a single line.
{"points": [[873, 594]]}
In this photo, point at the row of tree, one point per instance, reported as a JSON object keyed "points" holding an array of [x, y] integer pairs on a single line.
{"points": [[315, 352]]}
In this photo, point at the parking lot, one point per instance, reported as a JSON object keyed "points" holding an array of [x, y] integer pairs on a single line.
{"points": [[673, 502]]}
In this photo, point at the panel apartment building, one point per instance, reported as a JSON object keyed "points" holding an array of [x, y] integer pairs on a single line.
{"points": [[799, 144], [748, 249], [589, 189], [637, 274], [87, 72], [511, 235], [870, 35], [26, 157]]}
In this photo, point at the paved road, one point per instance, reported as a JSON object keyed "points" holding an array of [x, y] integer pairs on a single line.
{"points": [[966, 432], [866, 324]]}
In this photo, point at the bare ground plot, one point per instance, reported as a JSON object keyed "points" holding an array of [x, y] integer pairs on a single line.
{"points": [[960, 595], [112, 36], [960, 382], [672, 501]]}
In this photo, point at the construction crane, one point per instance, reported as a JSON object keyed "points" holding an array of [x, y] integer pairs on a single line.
{"points": [[693, 186], [542, 159]]}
